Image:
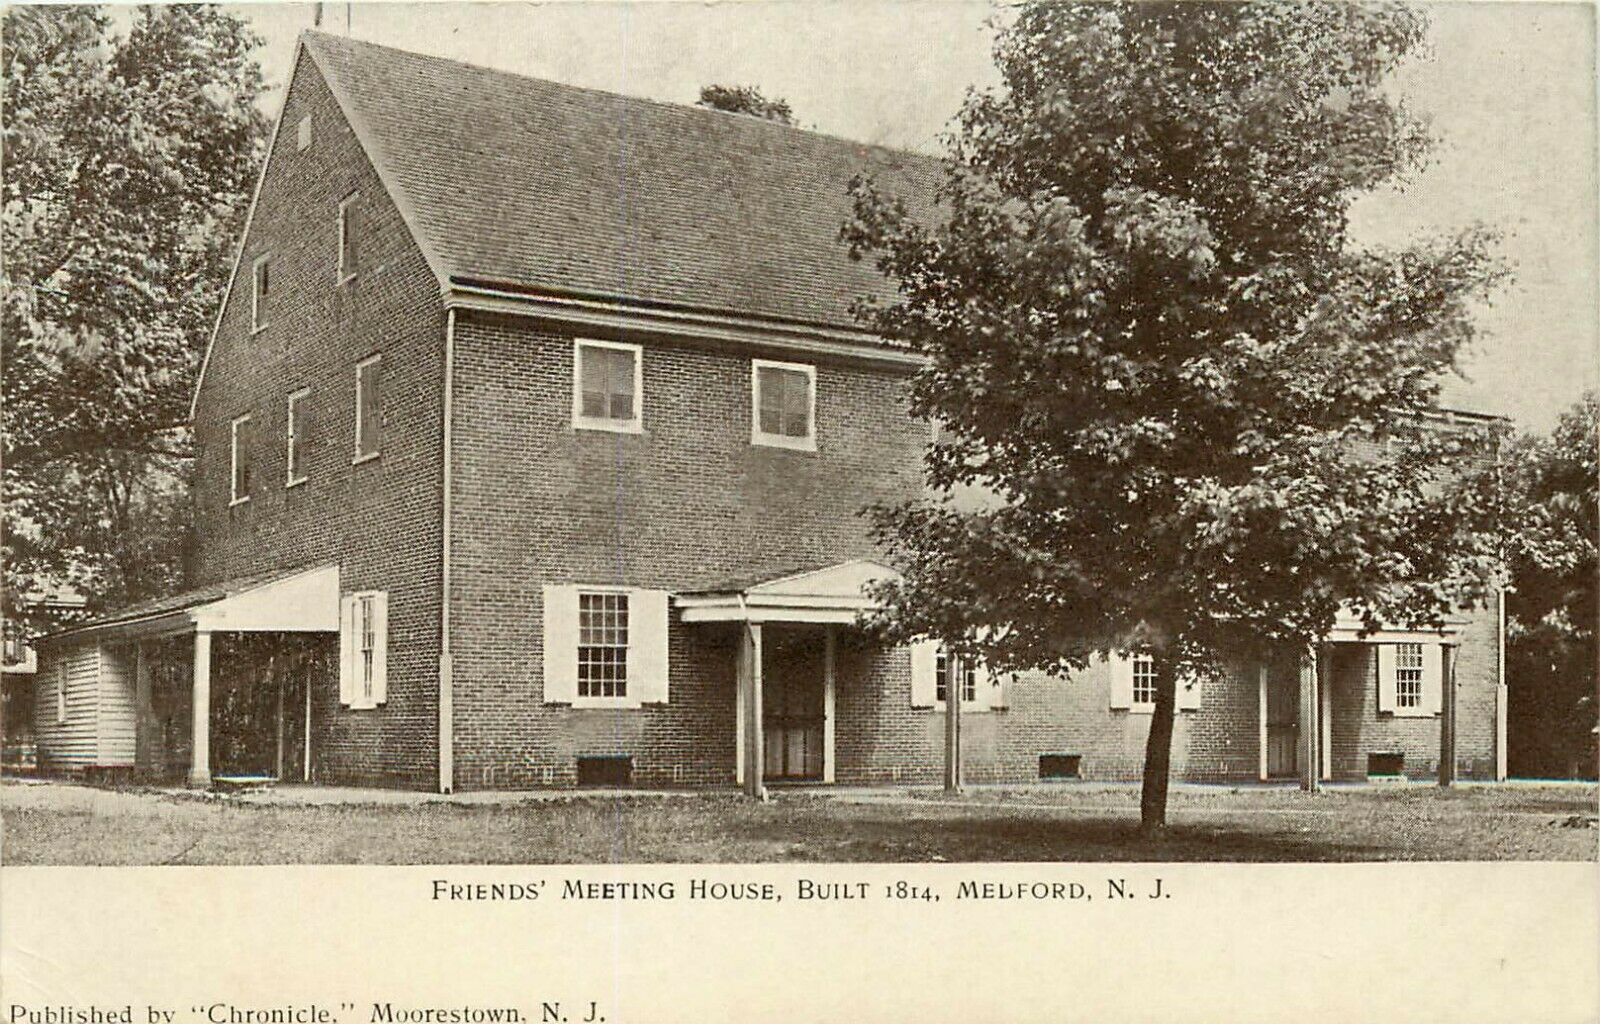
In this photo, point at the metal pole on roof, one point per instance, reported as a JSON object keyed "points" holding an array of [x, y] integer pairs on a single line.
{"points": [[316, 15]]}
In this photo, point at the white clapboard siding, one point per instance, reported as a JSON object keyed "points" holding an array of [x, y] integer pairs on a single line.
{"points": [[72, 743], [119, 712]]}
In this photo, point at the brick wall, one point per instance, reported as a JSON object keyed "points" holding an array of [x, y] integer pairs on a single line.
{"points": [[380, 520]]}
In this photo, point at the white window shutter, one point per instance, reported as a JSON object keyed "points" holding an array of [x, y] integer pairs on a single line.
{"points": [[1433, 678], [647, 646], [380, 648], [996, 685], [924, 666], [560, 644], [347, 649], [1386, 654], [1190, 692], [1121, 681]]}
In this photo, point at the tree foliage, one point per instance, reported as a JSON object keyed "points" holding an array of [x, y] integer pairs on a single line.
{"points": [[128, 163], [745, 99], [1552, 608], [1206, 416]]}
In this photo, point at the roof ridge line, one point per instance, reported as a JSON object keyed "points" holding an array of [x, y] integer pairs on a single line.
{"points": [[692, 108]]}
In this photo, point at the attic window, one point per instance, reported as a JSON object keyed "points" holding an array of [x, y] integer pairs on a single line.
{"points": [[260, 288], [303, 135], [347, 238]]}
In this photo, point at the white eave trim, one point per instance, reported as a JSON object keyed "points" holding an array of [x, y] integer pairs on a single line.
{"points": [[592, 313], [757, 607]]}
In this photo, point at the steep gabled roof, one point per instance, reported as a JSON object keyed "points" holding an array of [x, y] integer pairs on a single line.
{"points": [[531, 184]]}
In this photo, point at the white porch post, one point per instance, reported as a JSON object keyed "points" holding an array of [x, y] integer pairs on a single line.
{"points": [[1307, 759], [750, 687], [1447, 718], [1261, 721], [1500, 694], [829, 677], [952, 724], [200, 744], [143, 716], [1325, 713]]}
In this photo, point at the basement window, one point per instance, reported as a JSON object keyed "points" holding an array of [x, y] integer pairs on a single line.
{"points": [[1060, 766], [605, 770], [1380, 763]]}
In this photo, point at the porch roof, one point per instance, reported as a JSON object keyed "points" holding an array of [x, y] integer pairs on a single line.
{"points": [[832, 593], [302, 600]]}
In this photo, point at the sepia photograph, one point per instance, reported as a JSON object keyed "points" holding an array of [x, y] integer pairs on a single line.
{"points": [[901, 432], [941, 510]]}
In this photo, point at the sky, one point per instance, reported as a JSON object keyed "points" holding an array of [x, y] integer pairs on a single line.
{"points": [[1509, 88]]}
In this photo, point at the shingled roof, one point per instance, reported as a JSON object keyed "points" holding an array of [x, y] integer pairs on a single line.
{"points": [[532, 184]]}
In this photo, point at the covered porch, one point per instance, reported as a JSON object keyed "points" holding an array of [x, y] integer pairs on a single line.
{"points": [[1317, 711], [786, 665], [214, 680]]}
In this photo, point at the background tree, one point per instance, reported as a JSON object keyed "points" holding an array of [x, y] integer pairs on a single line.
{"points": [[1204, 413], [128, 163], [745, 99], [1551, 656]]}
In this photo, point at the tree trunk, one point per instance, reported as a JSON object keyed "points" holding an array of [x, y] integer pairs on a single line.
{"points": [[1158, 751]]}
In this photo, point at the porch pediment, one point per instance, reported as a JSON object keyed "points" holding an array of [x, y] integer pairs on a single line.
{"points": [[833, 593]]}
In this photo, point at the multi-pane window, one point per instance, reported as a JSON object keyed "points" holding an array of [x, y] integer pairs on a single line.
{"points": [[1144, 679], [969, 678], [347, 238], [366, 644], [784, 403], [1408, 675], [607, 385], [369, 407], [260, 291], [296, 438], [239, 473], [602, 645]]}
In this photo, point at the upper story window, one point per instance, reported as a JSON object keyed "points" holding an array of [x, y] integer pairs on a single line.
{"points": [[260, 291], [303, 134], [348, 235], [369, 407], [967, 671], [296, 437], [603, 645], [607, 386], [239, 461], [1408, 669], [783, 404]]}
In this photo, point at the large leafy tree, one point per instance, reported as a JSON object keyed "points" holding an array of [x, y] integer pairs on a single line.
{"points": [[1204, 414], [128, 163], [1552, 607]]}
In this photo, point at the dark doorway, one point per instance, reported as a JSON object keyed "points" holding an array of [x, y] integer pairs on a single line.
{"points": [[1283, 721], [791, 704]]}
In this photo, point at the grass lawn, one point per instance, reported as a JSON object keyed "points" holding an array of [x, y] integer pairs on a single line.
{"points": [[66, 824]]}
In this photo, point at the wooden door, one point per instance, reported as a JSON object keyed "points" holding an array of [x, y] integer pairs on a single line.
{"points": [[1283, 722], [791, 706]]}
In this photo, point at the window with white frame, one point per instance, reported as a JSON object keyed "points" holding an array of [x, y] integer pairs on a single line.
{"points": [[260, 291], [347, 238], [1144, 680], [783, 404], [366, 645], [1408, 673], [602, 645], [607, 385], [369, 408], [303, 134], [239, 460], [364, 649], [967, 671], [295, 438]]}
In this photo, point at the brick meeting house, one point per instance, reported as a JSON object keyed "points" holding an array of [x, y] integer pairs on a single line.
{"points": [[532, 440]]}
